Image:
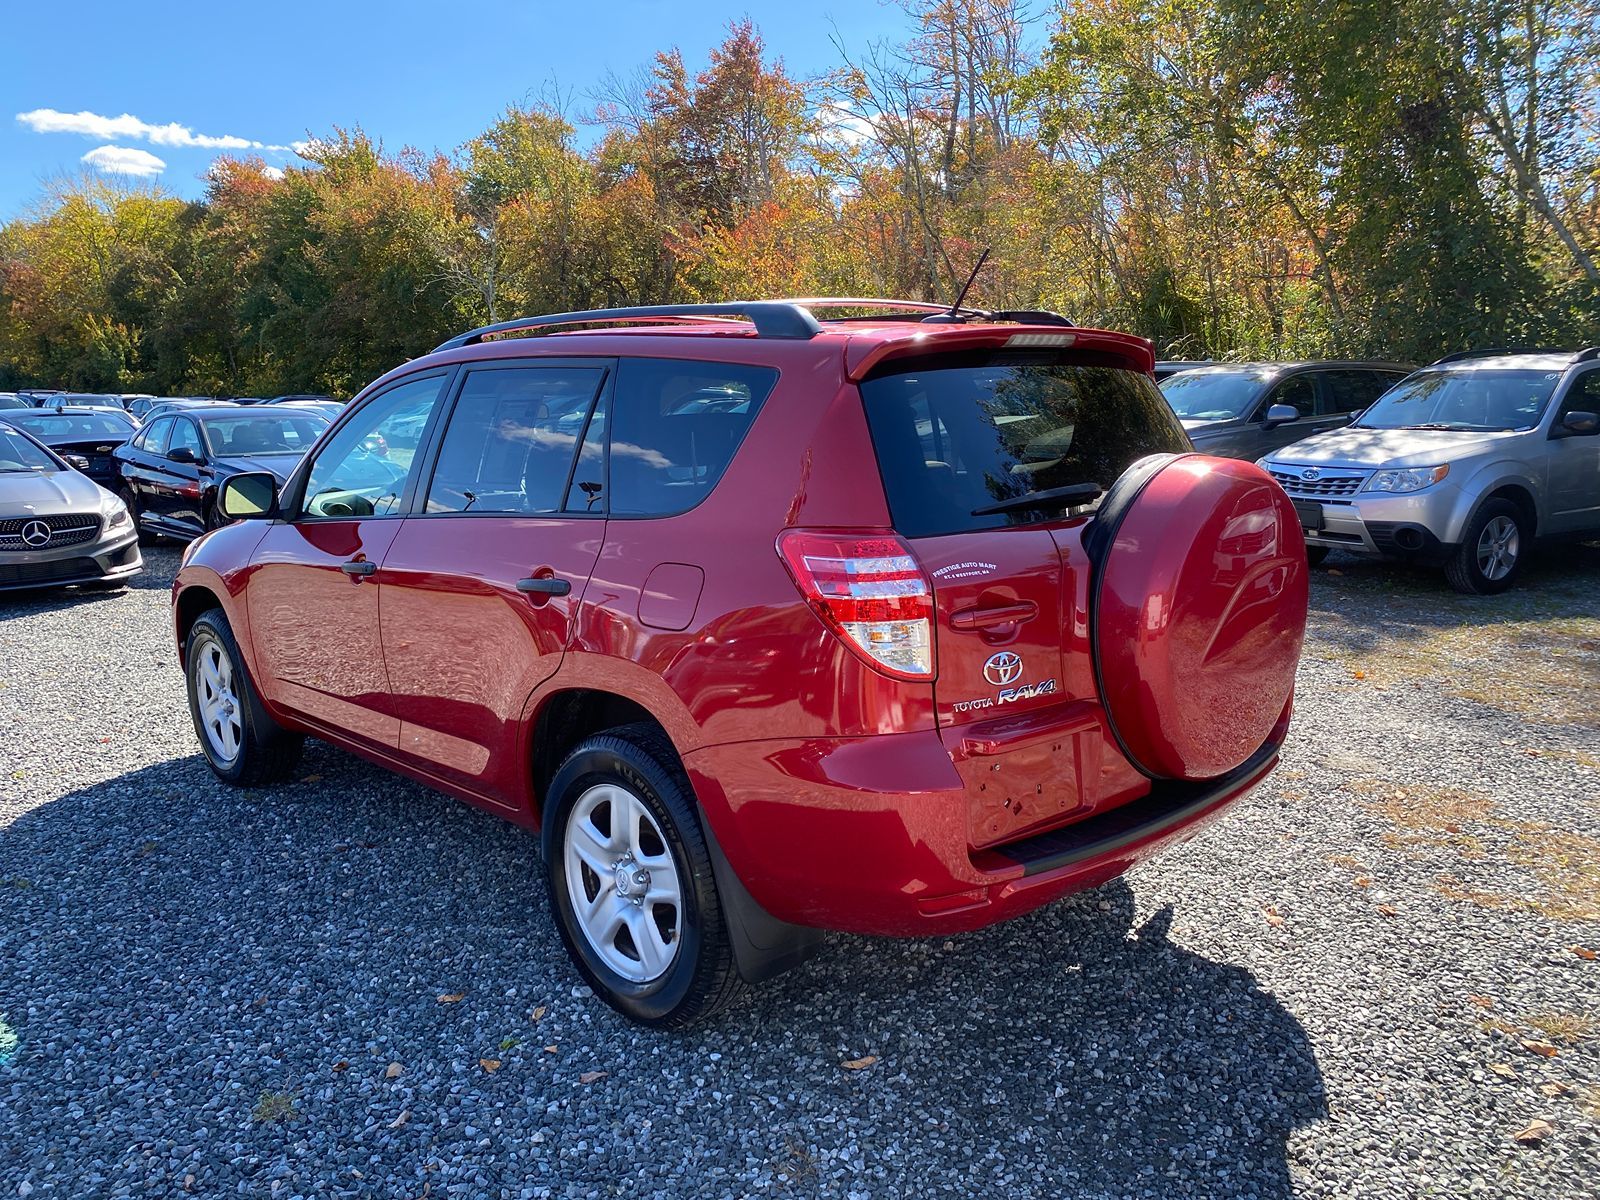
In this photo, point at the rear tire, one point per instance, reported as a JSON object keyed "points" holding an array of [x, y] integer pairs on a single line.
{"points": [[241, 743], [1316, 555], [685, 971], [1490, 557]]}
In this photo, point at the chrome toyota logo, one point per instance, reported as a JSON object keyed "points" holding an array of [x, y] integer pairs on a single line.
{"points": [[1003, 668], [1311, 473], [36, 534]]}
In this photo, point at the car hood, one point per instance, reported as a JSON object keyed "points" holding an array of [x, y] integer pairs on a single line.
{"points": [[45, 492], [1352, 447], [277, 465]]}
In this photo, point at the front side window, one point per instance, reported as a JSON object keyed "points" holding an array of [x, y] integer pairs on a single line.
{"points": [[511, 440], [155, 440], [675, 426], [959, 433], [1479, 401], [1298, 391], [364, 469], [184, 437], [1582, 396]]}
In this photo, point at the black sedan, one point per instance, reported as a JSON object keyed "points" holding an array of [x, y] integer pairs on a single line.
{"points": [[92, 433], [172, 470]]}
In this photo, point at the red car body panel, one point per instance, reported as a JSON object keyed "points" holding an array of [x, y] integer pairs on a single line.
{"points": [[842, 797]]}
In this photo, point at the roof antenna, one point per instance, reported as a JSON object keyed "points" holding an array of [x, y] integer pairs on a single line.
{"points": [[953, 317]]}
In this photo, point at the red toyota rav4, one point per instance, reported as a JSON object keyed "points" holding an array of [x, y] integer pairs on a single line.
{"points": [[768, 624]]}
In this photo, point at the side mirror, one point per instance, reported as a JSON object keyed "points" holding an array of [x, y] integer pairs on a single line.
{"points": [[76, 461], [1280, 414], [182, 454], [1579, 424], [250, 496]]}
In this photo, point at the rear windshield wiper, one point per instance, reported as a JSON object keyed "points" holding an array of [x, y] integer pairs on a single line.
{"points": [[1062, 497]]}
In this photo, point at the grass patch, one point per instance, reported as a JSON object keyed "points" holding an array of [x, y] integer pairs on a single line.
{"points": [[1568, 864], [273, 1107], [1423, 806], [1566, 1029], [1465, 845]]}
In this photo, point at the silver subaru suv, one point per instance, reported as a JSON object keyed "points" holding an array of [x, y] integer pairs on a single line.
{"points": [[1463, 464]]}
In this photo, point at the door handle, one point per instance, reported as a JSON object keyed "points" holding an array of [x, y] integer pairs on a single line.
{"points": [[359, 566], [988, 618], [544, 585]]}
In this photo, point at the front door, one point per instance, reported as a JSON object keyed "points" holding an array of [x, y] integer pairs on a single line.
{"points": [[316, 577], [1575, 463], [483, 581]]}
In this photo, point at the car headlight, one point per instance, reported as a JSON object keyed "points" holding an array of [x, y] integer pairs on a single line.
{"points": [[1413, 479], [116, 515]]}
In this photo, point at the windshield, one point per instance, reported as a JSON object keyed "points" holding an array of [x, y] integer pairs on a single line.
{"points": [[960, 433], [1212, 395], [253, 435], [67, 427], [1477, 401], [17, 453]]}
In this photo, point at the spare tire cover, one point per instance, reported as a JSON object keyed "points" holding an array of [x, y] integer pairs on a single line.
{"points": [[1199, 612]]}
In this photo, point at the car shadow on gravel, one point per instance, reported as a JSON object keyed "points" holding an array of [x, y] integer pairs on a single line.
{"points": [[174, 953]]}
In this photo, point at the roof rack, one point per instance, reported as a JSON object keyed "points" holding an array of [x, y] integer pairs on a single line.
{"points": [[1494, 351], [790, 319], [1587, 354]]}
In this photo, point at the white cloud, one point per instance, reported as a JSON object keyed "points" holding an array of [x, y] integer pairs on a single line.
{"points": [[127, 126], [273, 172], [124, 160]]}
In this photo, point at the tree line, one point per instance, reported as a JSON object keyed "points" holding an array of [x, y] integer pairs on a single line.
{"points": [[1241, 178]]}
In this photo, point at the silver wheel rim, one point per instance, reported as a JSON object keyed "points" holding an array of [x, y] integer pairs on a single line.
{"points": [[623, 883], [218, 703], [1498, 546]]}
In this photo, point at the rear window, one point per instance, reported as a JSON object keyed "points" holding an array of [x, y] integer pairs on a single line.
{"points": [[69, 426], [958, 433]]}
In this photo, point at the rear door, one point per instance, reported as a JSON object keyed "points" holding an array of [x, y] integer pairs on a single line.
{"points": [[482, 582], [1015, 694]]}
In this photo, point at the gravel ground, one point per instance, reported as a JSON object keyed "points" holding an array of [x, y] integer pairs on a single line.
{"points": [[303, 991]]}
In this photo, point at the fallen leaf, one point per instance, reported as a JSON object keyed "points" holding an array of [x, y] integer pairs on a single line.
{"points": [[1388, 910], [341, 1066], [1542, 1049], [311, 779], [453, 998], [1505, 1070], [1482, 1001], [539, 1012], [1273, 918], [405, 1115], [1585, 953], [859, 1064], [1359, 674], [1554, 1089], [392, 1071], [1533, 1133], [592, 1076], [491, 1065], [549, 1049], [1363, 881], [1335, 571]]}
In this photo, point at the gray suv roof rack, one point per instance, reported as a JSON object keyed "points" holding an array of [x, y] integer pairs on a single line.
{"points": [[790, 319], [1492, 352]]}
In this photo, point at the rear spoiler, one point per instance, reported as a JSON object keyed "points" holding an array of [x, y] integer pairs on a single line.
{"points": [[862, 355]]}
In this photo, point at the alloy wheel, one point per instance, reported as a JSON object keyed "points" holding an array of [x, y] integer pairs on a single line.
{"points": [[219, 703], [1498, 547], [623, 883]]}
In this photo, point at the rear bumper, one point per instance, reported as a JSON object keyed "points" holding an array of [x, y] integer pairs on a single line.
{"points": [[870, 835]]}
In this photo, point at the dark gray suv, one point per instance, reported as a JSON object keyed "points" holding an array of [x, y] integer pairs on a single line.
{"points": [[1245, 410]]}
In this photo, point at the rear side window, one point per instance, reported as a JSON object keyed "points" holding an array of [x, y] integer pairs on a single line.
{"points": [[1351, 391], [674, 428], [511, 440], [957, 433]]}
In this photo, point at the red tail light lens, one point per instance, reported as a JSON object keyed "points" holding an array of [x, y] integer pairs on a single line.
{"points": [[870, 590]]}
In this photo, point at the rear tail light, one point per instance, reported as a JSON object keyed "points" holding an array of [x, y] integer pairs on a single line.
{"points": [[870, 591]]}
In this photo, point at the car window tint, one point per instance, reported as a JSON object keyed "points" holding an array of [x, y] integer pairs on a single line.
{"points": [[510, 442], [184, 436], [957, 433], [674, 428], [1299, 391], [363, 469], [1582, 396], [155, 440]]}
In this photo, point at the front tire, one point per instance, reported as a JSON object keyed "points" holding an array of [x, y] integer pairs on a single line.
{"points": [[630, 881], [241, 743], [1492, 551]]}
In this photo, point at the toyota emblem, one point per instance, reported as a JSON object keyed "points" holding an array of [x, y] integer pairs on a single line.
{"points": [[35, 534], [1311, 473], [1003, 668]]}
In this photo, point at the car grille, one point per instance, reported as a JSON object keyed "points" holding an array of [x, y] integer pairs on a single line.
{"points": [[65, 530], [1336, 482]]}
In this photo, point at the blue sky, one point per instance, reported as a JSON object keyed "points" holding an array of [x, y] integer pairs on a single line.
{"points": [[411, 73]]}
